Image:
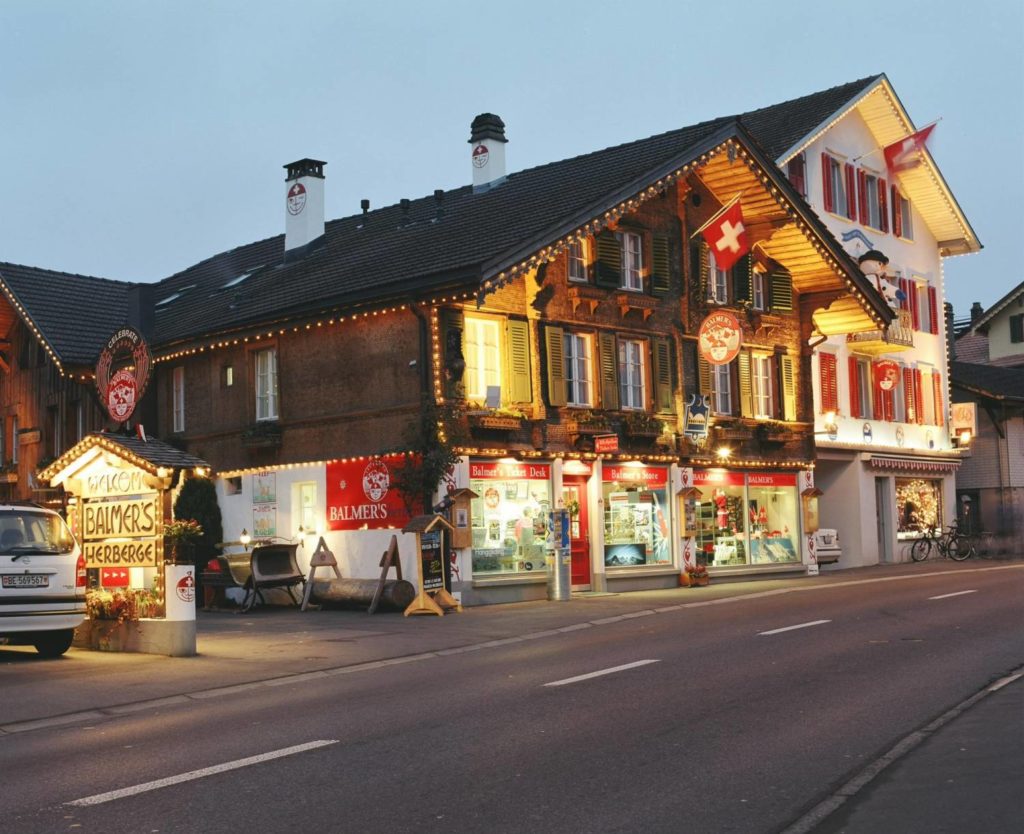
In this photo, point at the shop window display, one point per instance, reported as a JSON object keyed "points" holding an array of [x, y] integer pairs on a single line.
{"points": [[510, 516], [746, 519], [636, 522], [918, 505]]}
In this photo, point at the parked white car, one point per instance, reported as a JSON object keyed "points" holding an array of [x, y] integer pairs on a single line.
{"points": [[42, 579]]}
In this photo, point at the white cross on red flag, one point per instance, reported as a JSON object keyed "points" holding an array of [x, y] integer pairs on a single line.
{"points": [[726, 236], [904, 154]]}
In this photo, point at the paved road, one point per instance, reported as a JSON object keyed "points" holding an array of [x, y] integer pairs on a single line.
{"points": [[738, 709]]}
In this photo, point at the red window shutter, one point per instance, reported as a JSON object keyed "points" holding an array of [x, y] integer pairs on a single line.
{"points": [[829, 388], [940, 417], [933, 310], [890, 405], [851, 192], [905, 289], [883, 208], [915, 313], [797, 174], [826, 182], [878, 400], [918, 395], [862, 197], [908, 395], [897, 212], [854, 388]]}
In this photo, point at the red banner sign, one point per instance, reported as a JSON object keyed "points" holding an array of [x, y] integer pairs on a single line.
{"points": [[494, 471], [716, 477], [361, 494], [719, 337], [606, 443], [644, 476], [771, 479]]}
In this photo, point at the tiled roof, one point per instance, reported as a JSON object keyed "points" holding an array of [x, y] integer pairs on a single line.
{"points": [[76, 314], [988, 381], [985, 320], [156, 451]]}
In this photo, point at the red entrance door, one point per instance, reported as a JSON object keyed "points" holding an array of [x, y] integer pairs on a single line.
{"points": [[574, 494]]}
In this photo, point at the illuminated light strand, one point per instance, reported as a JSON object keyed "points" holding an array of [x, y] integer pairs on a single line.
{"points": [[280, 467]]}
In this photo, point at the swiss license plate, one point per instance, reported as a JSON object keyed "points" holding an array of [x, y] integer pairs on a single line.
{"points": [[26, 580]]}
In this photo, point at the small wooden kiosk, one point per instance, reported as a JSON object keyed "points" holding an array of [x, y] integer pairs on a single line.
{"points": [[433, 596]]}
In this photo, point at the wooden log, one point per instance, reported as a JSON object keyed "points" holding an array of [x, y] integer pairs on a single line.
{"points": [[358, 593]]}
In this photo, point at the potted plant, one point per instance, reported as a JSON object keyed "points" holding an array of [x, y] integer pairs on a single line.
{"points": [[180, 537], [110, 610], [642, 424], [585, 421], [505, 418]]}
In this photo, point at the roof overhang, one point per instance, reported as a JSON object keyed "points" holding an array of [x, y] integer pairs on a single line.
{"points": [[15, 310], [888, 122], [161, 465]]}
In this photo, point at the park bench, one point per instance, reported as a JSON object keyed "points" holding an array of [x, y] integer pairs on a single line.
{"points": [[266, 566]]}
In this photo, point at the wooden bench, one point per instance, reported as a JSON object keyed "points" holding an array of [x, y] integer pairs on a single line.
{"points": [[267, 566]]}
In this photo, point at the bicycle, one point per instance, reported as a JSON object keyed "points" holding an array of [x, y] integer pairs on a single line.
{"points": [[951, 544]]}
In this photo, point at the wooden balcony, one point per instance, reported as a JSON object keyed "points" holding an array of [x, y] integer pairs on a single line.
{"points": [[898, 337]]}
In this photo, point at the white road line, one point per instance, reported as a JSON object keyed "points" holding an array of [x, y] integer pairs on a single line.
{"points": [[999, 684], [792, 628], [957, 594], [602, 672], [100, 798]]}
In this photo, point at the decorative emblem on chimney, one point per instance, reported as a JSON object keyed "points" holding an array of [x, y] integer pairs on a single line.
{"points": [[480, 156], [296, 198]]}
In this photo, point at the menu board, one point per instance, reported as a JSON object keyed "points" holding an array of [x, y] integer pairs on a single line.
{"points": [[431, 559]]}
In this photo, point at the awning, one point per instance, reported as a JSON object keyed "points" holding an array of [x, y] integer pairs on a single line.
{"points": [[931, 466]]}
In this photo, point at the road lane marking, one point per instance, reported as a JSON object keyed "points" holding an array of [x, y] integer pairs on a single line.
{"points": [[109, 796], [794, 627], [956, 594], [999, 684], [590, 675]]}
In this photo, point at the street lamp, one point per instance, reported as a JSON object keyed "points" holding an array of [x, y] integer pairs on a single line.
{"points": [[245, 538]]}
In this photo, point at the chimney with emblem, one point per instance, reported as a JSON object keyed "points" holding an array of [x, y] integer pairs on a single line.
{"points": [[487, 136], [304, 206]]}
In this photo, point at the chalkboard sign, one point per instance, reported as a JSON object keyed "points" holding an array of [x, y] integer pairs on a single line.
{"points": [[431, 557]]}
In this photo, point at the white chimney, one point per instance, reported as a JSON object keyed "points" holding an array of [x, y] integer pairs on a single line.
{"points": [[488, 141], [304, 206]]}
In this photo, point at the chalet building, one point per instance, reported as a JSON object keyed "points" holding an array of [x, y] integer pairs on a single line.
{"points": [[582, 347], [886, 461], [987, 382]]}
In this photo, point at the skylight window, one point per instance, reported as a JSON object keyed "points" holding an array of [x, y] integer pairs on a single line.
{"points": [[234, 282], [174, 296]]}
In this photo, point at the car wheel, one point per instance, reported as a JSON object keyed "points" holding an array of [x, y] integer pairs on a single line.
{"points": [[54, 643]]}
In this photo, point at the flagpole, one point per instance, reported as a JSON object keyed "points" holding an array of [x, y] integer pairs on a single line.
{"points": [[903, 139], [717, 214]]}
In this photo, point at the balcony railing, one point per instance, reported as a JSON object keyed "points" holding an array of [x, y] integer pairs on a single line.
{"points": [[899, 336]]}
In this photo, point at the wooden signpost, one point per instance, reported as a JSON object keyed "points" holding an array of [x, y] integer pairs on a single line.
{"points": [[322, 558], [433, 596]]}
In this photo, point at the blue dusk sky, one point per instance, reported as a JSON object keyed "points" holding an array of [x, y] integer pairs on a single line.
{"points": [[141, 137]]}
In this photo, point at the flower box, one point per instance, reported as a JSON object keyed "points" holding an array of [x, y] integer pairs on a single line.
{"points": [[496, 422]]}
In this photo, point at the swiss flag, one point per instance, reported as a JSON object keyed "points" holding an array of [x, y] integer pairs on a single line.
{"points": [[903, 155], [726, 236]]}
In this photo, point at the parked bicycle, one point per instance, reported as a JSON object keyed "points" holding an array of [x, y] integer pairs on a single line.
{"points": [[951, 543]]}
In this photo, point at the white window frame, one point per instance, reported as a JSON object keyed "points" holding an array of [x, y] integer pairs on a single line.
{"points": [[899, 399], [906, 216], [864, 389], [579, 261], [762, 386], [178, 399], [721, 388], [305, 507], [837, 185], [926, 408], [266, 384], [758, 290], [579, 370], [718, 281], [632, 271], [482, 351], [924, 310], [874, 204], [632, 382]]}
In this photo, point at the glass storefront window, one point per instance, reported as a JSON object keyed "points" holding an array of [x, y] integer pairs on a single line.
{"points": [[918, 504], [510, 516], [636, 522], [747, 519]]}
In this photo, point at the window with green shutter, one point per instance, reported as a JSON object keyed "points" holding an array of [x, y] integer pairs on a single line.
{"points": [[781, 291], [453, 356], [609, 260], [746, 390], [788, 373], [609, 370], [662, 362], [660, 265], [555, 365], [741, 278], [520, 388]]}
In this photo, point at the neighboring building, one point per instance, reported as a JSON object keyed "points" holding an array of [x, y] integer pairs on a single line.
{"points": [[988, 378], [886, 462]]}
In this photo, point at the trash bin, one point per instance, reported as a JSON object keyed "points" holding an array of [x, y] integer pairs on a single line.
{"points": [[559, 558]]}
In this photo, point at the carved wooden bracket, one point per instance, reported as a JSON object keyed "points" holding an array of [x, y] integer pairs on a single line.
{"points": [[630, 301]]}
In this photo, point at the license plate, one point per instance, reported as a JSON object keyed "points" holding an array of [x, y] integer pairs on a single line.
{"points": [[26, 580]]}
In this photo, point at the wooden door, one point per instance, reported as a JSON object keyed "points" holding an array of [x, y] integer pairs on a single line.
{"points": [[574, 494]]}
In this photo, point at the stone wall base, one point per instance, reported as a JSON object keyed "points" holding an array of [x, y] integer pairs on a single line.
{"points": [[175, 638]]}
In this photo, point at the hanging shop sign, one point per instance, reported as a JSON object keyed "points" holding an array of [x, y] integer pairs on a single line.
{"points": [[965, 418], [887, 375], [122, 373], [695, 417], [361, 494], [719, 337], [641, 476], [772, 479], [606, 443]]}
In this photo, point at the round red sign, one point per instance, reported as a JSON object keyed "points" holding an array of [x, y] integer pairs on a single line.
{"points": [[122, 395], [719, 337], [186, 588], [887, 374]]}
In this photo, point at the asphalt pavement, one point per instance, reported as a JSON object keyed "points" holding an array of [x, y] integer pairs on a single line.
{"points": [[966, 766]]}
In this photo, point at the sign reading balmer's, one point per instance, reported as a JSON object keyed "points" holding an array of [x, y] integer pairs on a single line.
{"points": [[121, 533]]}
